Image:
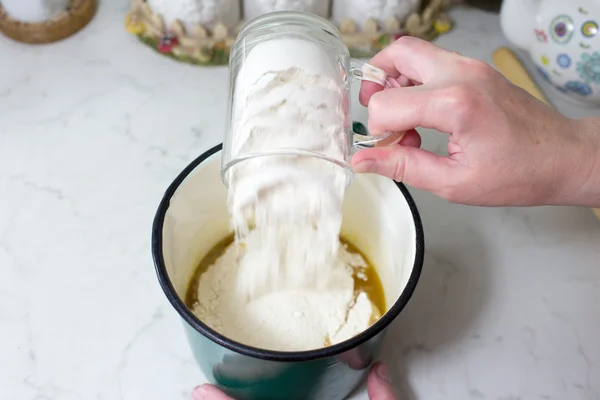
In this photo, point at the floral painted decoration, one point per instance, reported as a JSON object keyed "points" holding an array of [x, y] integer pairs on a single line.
{"points": [[167, 43], [541, 35], [589, 68], [563, 60], [589, 29], [561, 29], [581, 88], [133, 24], [442, 24]]}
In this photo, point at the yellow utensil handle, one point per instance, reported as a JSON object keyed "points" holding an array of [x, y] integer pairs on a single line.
{"points": [[512, 68]]}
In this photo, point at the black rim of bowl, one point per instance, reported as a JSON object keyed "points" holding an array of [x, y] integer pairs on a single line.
{"points": [[192, 320]]}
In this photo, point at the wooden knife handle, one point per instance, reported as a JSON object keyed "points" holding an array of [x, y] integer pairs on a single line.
{"points": [[512, 68]]}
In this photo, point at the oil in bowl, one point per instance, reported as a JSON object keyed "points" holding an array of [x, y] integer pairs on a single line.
{"points": [[285, 321]]}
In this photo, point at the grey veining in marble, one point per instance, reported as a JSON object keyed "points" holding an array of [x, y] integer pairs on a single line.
{"points": [[94, 128]]}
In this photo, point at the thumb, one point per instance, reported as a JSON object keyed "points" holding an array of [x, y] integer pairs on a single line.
{"points": [[379, 386], [414, 166]]}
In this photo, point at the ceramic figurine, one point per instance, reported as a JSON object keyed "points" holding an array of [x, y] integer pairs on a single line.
{"points": [[202, 32], [255, 8], [361, 11], [194, 12], [44, 21], [34, 10], [563, 40], [429, 23]]}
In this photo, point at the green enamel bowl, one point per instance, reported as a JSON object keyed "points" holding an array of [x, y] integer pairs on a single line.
{"points": [[380, 218]]}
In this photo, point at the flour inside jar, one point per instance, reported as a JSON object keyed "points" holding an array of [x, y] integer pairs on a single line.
{"points": [[288, 95]]}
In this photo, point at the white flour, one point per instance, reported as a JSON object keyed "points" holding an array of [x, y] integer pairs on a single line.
{"points": [[288, 320], [286, 284], [288, 94]]}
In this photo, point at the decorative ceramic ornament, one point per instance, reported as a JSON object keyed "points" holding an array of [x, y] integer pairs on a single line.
{"points": [[34, 10], [44, 21], [563, 40], [361, 11], [202, 32], [198, 12]]}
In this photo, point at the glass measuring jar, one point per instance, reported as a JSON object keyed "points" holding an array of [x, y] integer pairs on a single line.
{"points": [[294, 65]]}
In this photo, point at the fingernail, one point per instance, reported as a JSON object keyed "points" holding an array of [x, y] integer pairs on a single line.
{"points": [[366, 166], [198, 393], [382, 372]]}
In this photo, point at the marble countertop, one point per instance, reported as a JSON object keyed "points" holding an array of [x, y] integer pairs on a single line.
{"points": [[94, 128]]}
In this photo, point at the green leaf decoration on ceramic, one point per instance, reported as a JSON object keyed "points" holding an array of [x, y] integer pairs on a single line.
{"points": [[589, 68], [384, 40]]}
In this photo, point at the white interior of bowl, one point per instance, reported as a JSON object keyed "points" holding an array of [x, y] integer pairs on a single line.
{"points": [[377, 219]]}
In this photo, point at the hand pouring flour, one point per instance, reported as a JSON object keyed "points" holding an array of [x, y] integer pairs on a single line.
{"points": [[286, 283]]}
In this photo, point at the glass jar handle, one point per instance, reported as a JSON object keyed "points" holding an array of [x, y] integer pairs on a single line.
{"points": [[365, 72]]}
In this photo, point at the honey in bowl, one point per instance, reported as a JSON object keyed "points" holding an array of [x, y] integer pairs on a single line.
{"points": [[365, 281]]}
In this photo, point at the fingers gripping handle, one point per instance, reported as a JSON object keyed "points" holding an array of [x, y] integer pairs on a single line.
{"points": [[365, 72]]}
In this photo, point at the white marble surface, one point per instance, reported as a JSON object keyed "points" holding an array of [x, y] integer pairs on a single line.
{"points": [[94, 128]]}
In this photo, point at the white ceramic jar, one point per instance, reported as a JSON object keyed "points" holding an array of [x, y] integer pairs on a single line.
{"points": [[255, 8], [193, 12], [34, 10], [380, 10], [563, 40]]}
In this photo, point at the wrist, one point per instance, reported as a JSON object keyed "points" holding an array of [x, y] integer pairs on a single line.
{"points": [[579, 169]]}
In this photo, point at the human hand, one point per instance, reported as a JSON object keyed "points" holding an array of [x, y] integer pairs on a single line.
{"points": [[505, 147], [378, 383]]}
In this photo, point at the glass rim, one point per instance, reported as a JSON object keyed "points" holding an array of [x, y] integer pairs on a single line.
{"points": [[271, 18], [278, 18]]}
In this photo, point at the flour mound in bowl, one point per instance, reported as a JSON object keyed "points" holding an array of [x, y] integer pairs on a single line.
{"points": [[285, 320]]}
